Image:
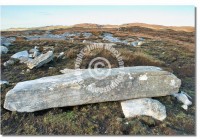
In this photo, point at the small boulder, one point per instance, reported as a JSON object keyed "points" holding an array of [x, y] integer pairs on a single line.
{"points": [[4, 82], [84, 41], [7, 41], [140, 43], [183, 97], [34, 52], [144, 106], [9, 62], [61, 55], [134, 44], [3, 49], [40, 60], [30, 55], [21, 54], [28, 70], [141, 39]]}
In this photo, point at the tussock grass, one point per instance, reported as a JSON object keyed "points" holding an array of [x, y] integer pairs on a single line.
{"points": [[140, 59]]}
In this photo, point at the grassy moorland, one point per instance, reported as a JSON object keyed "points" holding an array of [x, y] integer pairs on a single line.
{"points": [[172, 50]]}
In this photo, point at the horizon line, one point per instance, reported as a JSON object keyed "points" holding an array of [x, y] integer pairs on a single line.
{"points": [[64, 25]]}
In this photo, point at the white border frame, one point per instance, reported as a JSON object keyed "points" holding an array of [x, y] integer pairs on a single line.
{"points": [[195, 3]]}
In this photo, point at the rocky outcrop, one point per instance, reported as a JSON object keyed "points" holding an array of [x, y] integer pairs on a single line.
{"points": [[62, 90], [3, 50], [7, 41], [19, 55], [3, 82], [9, 62], [144, 106], [40, 60]]}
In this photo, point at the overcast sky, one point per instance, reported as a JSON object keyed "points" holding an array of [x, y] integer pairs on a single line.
{"points": [[35, 16]]}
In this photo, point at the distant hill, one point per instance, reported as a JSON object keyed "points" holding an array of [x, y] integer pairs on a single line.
{"points": [[87, 25], [39, 28], [91, 25], [160, 27]]}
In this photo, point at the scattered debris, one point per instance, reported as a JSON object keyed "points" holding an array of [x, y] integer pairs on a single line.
{"points": [[136, 43], [87, 35], [109, 37], [49, 36]]}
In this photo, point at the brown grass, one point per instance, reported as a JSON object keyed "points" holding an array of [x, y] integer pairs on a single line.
{"points": [[140, 59], [104, 118]]}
